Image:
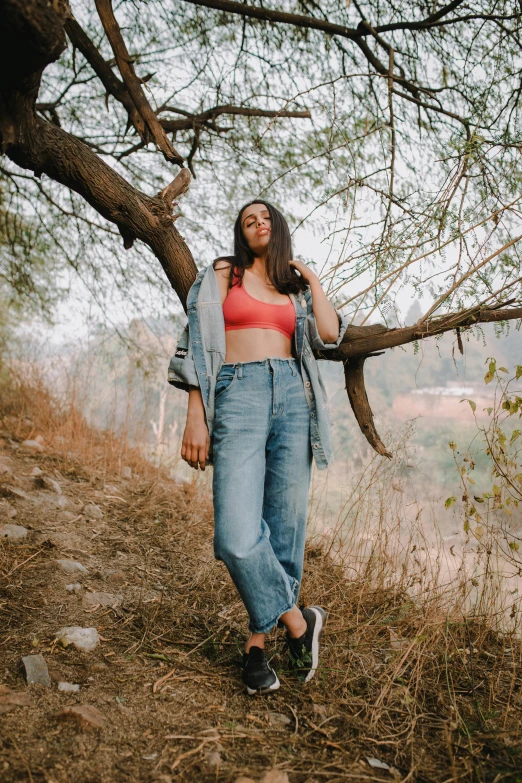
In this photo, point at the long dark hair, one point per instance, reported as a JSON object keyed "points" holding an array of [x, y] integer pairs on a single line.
{"points": [[283, 277]]}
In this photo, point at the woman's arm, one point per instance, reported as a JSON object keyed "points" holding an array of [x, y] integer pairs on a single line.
{"points": [[325, 315], [196, 441]]}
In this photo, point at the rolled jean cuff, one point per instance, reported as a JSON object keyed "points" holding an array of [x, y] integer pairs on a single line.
{"points": [[266, 627]]}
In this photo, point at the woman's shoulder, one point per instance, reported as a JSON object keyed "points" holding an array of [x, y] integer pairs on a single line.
{"points": [[222, 263]]}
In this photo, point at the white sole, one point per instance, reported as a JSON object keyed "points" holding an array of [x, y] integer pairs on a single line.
{"points": [[262, 691], [320, 615]]}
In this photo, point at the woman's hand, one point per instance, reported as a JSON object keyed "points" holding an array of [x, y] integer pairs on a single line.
{"points": [[196, 441], [304, 271]]}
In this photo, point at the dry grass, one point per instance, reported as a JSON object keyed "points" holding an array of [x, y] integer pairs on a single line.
{"points": [[408, 677]]}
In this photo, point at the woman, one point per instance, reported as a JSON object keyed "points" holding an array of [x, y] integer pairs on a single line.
{"points": [[258, 411]]}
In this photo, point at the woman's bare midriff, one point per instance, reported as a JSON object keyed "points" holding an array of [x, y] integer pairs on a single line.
{"points": [[255, 345]]}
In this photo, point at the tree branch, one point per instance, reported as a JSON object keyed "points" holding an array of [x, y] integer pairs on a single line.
{"points": [[132, 83], [364, 340], [105, 74], [212, 114]]}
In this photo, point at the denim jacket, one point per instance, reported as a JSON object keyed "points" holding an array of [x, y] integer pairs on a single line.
{"points": [[202, 347]]}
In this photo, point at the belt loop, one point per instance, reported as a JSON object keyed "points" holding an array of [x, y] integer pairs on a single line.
{"points": [[292, 365], [239, 370]]}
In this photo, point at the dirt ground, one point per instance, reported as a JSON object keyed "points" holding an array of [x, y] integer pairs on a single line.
{"points": [[165, 675]]}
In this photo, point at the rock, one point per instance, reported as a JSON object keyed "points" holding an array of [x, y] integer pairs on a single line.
{"points": [[92, 511], [36, 471], [71, 567], [68, 687], [213, 759], [39, 439], [10, 699], [377, 763], [33, 446], [274, 776], [126, 472], [65, 516], [84, 715], [99, 598], [36, 671], [17, 493], [4, 469], [44, 482], [86, 639], [13, 532], [278, 719], [7, 510], [74, 587]]}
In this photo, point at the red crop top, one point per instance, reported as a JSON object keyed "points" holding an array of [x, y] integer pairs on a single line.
{"points": [[242, 311]]}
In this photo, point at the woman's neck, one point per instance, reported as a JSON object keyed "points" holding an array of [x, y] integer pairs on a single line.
{"points": [[259, 268]]}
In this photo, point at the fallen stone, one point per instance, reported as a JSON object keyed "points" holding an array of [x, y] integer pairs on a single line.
{"points": [[86, 639], [4, 469], [278, 719], [39, 439], [377, 763], [74, 587], [7, 510], [213, 759], [71, 567], [36, 471], [84, 715], [274, 776], [100, 598], [65, 516], [36, 671], [68, 687], [32, 446], [13, 532], [126, 472], [17, 493], [10, 699], [92, 511], [44, 482]]}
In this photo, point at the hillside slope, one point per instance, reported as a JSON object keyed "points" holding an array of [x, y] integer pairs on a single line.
{"points": [[422, 694]]}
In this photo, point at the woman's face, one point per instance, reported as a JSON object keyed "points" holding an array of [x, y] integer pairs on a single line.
{"points": [[256, 225]]}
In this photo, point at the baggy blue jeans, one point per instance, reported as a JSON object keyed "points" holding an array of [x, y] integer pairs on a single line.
{"points": [[262, 467]]}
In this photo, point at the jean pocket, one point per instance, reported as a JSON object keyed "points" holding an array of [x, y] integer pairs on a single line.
{"points": [[224, 382]]}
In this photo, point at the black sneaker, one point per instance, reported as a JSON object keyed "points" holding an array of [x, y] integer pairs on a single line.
{"points": [[304, 651], [257, 674]]}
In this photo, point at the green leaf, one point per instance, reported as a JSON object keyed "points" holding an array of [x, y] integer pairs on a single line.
{"points": [[514, 545], [472, 405], [466, 526], [502, 369], [478, 499], [492, 366], [489, 377], [452, 445], [514, 435], [518, 369], [496, 490], [450, 501]]}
